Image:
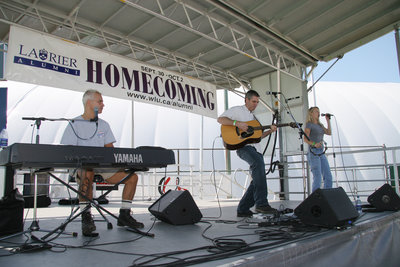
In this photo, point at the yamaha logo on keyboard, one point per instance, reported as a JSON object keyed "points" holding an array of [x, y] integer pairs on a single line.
{"points": [[128, 158]]}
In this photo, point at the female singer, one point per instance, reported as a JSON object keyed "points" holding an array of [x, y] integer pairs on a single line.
{"points": [[316, 152]]}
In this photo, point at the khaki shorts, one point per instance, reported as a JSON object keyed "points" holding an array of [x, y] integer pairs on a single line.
{"points": [[105, 173]]}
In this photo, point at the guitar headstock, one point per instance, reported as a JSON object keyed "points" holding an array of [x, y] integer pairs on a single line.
{"points": [[294, 125]]}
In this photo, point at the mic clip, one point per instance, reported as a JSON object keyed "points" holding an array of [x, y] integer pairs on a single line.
{"points": [[292, 98]]}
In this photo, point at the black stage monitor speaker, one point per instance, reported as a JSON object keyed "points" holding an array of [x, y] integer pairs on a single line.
{"points": [[42, 201], [177, 208], [11, 213], [327, 208], [385, 198]]}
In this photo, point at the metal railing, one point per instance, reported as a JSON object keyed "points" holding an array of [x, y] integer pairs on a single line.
{"points": [[360, 170]]}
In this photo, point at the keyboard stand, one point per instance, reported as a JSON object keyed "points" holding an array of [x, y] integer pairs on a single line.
{"points": [[95, 204]]}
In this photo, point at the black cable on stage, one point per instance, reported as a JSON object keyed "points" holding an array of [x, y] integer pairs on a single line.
{"points": [[227, 246], [274, 117], [223, 247], [343, 164], [272, 164], [214, 180], [216, 256]]}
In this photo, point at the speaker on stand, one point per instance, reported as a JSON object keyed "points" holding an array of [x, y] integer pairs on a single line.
{"points": [[176, 208], [327, 208]]}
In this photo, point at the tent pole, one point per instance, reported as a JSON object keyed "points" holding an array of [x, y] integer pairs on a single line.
{"points": [[133, 124], [396, 35]]}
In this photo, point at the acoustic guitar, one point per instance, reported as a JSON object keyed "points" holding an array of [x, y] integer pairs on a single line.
{"points": [[234, 138]]}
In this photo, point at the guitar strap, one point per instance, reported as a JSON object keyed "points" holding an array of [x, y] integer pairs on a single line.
{"points": [[319, 154]]}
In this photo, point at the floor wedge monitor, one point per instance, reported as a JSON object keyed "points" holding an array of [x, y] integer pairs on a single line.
{"points": [[385, 198], [177, 208], [327, 208]]}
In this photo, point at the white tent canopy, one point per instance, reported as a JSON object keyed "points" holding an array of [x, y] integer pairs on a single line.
{"points": [[357, 121]]}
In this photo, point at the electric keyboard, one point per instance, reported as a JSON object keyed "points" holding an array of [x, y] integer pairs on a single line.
{"points": [[40, 156], [21, 155]]}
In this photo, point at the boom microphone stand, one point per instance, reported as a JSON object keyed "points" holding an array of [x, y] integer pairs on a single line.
{"points": [[35, 223]]}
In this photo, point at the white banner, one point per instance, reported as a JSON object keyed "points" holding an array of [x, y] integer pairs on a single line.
{"points": [[39, 58]]}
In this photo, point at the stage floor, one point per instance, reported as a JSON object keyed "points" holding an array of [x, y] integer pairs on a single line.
{"points": [[219, 239]]}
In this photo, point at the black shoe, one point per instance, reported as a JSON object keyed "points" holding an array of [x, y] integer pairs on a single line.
{"points": [[248, 213], [266, 209], [125, 219], [88, 226]]}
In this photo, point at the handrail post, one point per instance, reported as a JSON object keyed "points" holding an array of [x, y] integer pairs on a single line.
{"points": [[396, 171]]}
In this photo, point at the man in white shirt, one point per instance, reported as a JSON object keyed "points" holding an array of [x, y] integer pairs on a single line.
{"points": [[256, 193], [89, 130]]}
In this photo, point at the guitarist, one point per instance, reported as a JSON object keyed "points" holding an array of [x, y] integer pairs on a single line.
{"points": [[256, 193]]}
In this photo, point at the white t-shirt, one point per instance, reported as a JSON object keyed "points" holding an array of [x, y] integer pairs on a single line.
{"points": [[241, 113], [82, 132]]}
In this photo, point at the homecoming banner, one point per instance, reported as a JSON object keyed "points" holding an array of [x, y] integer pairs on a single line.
{"points": [[39, 58]]}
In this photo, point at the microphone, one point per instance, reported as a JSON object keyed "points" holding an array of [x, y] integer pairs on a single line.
{"points": [[96, 114], [272, 93], [326, 114]]}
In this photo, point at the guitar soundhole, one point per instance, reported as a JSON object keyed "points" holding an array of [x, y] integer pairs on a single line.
{"points": [[250, 132]]}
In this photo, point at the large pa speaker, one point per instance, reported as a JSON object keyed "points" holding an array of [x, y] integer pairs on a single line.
{"points": [[327, 208], [385, 198], [177, 208]]}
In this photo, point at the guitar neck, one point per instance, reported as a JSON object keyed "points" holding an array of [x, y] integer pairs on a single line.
{"points": [[269, 126]]}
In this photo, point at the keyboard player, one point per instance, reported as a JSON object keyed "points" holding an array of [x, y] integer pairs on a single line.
{"points": [[89, 130]]}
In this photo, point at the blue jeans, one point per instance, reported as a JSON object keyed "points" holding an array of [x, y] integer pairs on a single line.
{"points": [[257, 192], [319, 168]]}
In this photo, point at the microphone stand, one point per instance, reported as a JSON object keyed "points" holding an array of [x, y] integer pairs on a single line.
{"points": [[35, 223], [301, 134]]}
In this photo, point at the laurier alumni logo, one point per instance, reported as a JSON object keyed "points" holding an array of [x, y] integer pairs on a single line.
{"points": [[41, 58]]}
